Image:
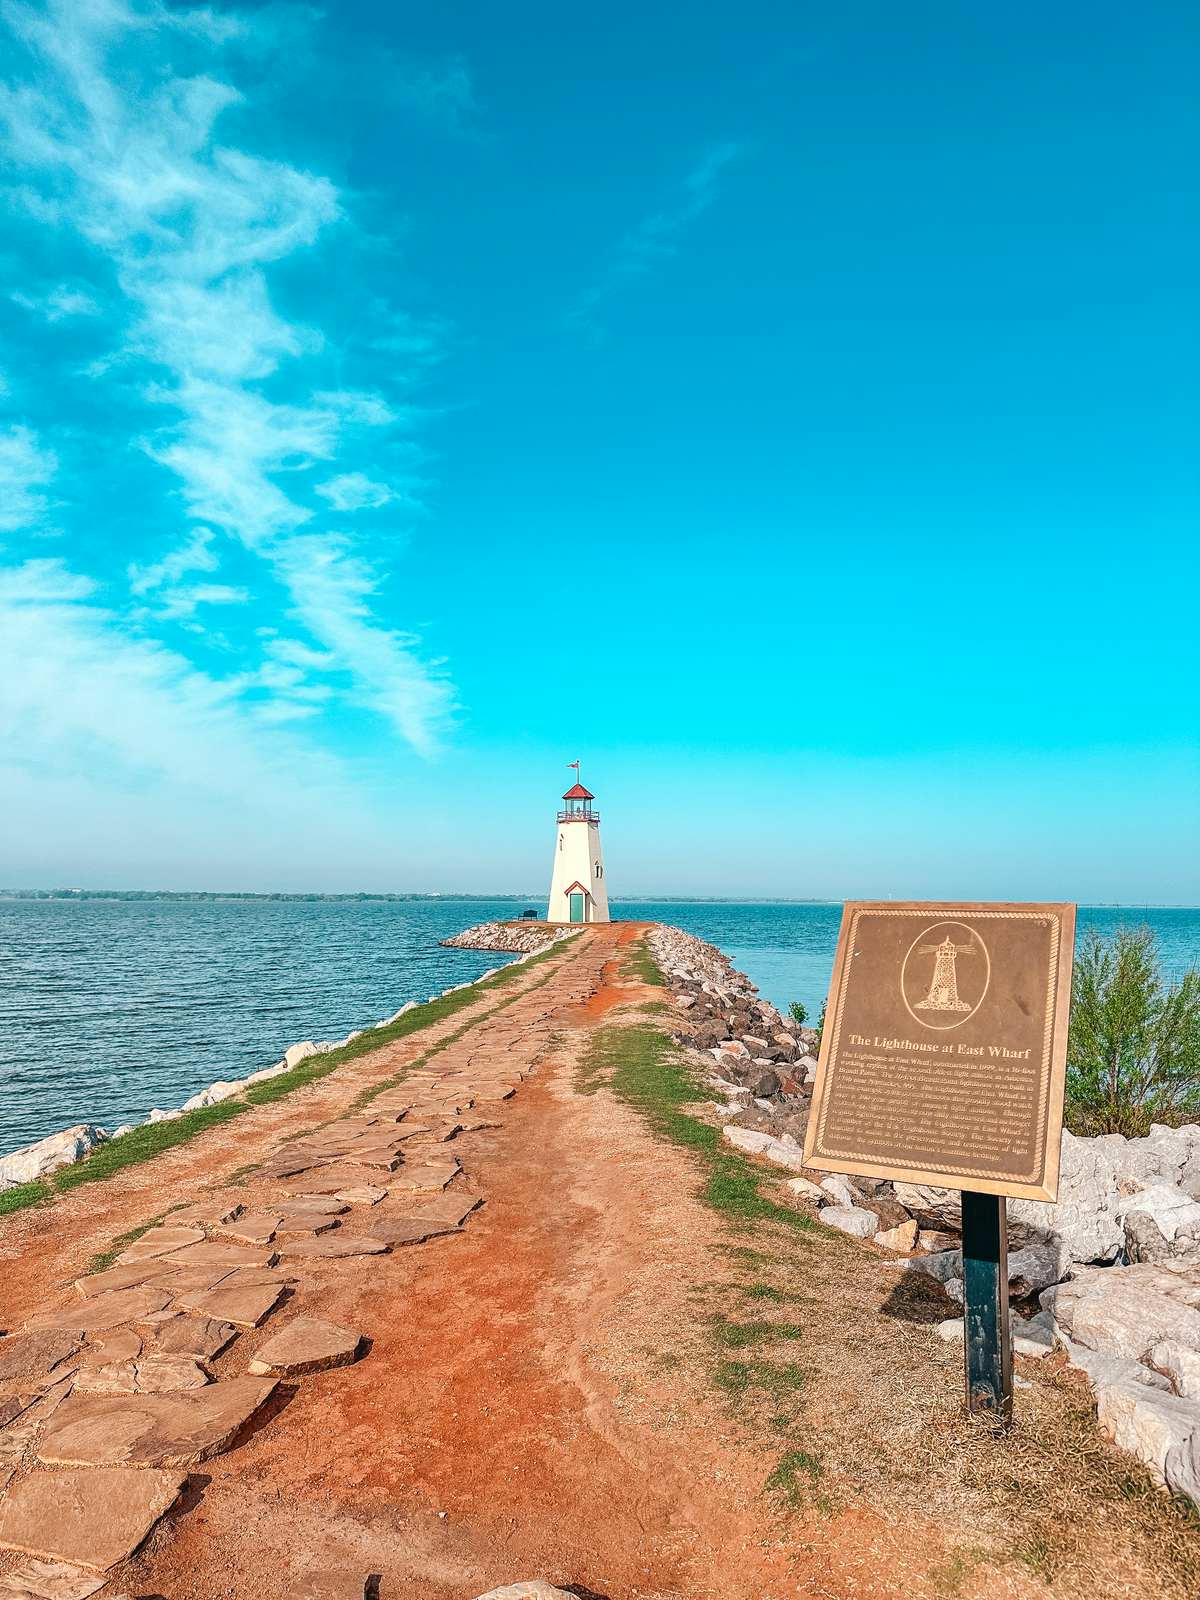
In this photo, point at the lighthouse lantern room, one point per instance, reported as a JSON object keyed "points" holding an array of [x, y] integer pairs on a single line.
{"points": [[577, 888]]}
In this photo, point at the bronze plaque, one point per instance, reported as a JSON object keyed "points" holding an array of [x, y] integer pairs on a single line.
{"points": [[944, 1053]]}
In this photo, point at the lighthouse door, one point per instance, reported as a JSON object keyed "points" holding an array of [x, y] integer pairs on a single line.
{"points": [[576, 908]]}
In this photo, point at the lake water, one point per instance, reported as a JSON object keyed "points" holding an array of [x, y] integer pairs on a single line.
{"points": [[108, 1008]]}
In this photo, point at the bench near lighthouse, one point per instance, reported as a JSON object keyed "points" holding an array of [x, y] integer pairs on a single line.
{"points": [[577, 889]]}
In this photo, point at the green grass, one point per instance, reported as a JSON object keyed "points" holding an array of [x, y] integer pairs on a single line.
{"points": [[777, 1381], [731, 1335], [790, 1471], [144, 1143], [641, 1066], [768, 1292], [23, 1195], [107, 1258], [640, 964]]}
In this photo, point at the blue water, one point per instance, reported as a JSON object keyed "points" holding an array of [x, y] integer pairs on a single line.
{"points": [[108, 1008]]}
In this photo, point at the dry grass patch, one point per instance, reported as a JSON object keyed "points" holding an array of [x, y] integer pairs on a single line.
{"points": [[829, 1357]]}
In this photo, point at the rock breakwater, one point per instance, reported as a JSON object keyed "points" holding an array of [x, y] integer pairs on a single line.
{"points": [[508, 938], [1109, 1275]]}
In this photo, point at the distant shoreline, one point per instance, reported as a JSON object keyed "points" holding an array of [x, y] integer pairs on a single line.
{"points": [[218, 896]]}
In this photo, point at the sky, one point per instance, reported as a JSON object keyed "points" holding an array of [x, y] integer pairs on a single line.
{"points": [[789, 411]]}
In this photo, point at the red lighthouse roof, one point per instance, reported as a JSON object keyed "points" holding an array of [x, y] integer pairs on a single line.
{"points": [[578, 792]]}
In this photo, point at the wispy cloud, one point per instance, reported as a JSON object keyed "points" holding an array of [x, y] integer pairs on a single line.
{"points": [[59, 303], [26, 466], [121, 146], [354, 491], [655, 239]]}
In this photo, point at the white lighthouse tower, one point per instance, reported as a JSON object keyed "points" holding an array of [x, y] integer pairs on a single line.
{"points": [[577, 888]]}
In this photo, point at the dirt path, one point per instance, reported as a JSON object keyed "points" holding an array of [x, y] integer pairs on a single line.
{"points": [[526, 1406]]}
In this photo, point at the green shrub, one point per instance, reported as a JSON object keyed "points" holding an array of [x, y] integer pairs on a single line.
{"points": [[799, 1012], [1134, 1052]]}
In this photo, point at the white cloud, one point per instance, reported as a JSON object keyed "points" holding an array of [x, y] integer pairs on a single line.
{"points": [[354, 491], [25, 466], [182, 602], [194, 555], [330, 591], [129, 156], [59, 303], [655, 238]]}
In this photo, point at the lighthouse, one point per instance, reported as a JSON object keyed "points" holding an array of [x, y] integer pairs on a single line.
{"points": [[577, 889]]}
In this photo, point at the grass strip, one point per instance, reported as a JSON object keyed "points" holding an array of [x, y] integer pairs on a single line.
{"points": [[639, 963], [153, 1138], [641, 1066]]}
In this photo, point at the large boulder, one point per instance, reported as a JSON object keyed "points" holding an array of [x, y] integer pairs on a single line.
{"points": [[1161, 1223], [1084, 1218], [35, 1161], [1126, 1311], [854, 1220], [1163, 1430]]}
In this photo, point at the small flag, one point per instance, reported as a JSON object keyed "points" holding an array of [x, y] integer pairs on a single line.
{"points": [[574, 764]]}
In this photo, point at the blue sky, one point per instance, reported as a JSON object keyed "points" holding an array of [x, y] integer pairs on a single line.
{"points": [[792, 413]]}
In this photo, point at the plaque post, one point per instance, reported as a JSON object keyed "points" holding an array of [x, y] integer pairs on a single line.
{"points": [[985, 1307]]}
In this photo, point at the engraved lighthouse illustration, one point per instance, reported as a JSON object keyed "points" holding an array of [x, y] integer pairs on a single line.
{"points": [[943, 986]]}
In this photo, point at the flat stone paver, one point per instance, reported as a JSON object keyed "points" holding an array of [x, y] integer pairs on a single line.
{"points": [[159, 1242], [50, 1580], [156, 1430], [152, 1374], [433, 1175], [98, 1283], [328, 1586], [93, 1519], [332, 1247], [198, 1336], [456, 1207], [105, 1311], [309, 1344], [30, 1357], [222, 1255], [363, 1194], [397, 1231], [255, 1227], [245, 1305]]}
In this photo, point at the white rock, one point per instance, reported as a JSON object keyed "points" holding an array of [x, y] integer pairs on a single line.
{"points": [[1126, 1311], [954, 1288], [1103, 1369], [951, 1329], [752, 1140], [1172, 1210], [1036, 1267], [1180, 1365], [163, 1116], [268, 1072], [34, 1161], [805, 1189], [126, 1127], [840, 1191], [854, 1220], [296, 1053], [1162, 1430], [902, 1238], [942, 1265], [535, 1589]]}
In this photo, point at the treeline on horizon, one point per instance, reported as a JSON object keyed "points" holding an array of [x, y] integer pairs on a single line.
{"points": [[362, 895]]}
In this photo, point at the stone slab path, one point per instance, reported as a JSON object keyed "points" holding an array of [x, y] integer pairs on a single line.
{"points": [[394, 1345]]}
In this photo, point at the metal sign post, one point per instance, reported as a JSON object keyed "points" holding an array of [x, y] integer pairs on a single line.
{"points": [[985, 1307]]}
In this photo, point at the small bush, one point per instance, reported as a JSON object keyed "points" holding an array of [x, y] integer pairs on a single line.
{"points": [[799, 1012], [1134, 1052]]}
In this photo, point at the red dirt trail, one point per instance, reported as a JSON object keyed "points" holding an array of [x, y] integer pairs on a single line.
{"points": [[505, 1422]]}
